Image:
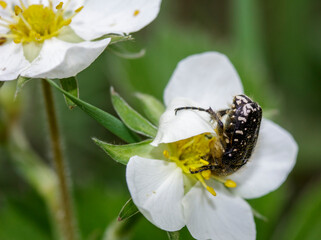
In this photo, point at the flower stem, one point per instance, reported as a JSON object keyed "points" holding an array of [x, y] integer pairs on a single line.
{"points": [[67, 219]]}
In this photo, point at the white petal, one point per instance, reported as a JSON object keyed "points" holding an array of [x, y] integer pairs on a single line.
{"points": [[101, 17], [12, 61], [208, 78], [185, 124], [273, 159], [59, 59], [222, 217], [157, 189]]}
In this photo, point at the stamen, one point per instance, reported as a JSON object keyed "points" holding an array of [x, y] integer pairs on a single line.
{"points": [[5, 20], [36, 22], [228, 183], [79, 9], [2, 40], [17, 10], [8, 36], [50, 4], [3, 4], [136, 12], [59, 6], [25, 21], [205, 162], [22, 5], [208, 188], [166, 154], [206, 174]]}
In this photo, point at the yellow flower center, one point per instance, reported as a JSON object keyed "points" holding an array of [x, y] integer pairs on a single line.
{"points": [[34, 23], [195, 155]]}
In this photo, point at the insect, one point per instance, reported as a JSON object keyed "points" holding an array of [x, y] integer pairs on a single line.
{"points": [[237, 129]]}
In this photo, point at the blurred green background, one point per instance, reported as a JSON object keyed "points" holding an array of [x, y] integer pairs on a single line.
{"points": [[275, 47]]}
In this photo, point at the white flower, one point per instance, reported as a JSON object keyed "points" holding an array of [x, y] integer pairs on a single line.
{"points": [[58, 39], [170, 196]]}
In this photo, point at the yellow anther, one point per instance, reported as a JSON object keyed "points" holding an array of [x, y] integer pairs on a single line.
{"points": [[205, 162], [230, 183], [136, 12], [59, 6], [79, 9], [2, 40], [211, 190], [166, 154], [192, 169], [3, 4], [67, 22], [206, 174], [17, 10]]}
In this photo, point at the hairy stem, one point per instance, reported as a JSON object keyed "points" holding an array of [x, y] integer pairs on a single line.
{"points": [[67, 222]]}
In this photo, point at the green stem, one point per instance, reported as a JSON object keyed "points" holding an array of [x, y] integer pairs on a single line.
{"points": [[67, 219]]}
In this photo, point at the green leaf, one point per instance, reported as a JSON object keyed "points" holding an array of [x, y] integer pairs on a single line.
{"points": [[20, 84], [1, 84], [128, 210], [71, 86], [152, 107], [111, 123], [131, 118], [173, 235], [122, 153]]}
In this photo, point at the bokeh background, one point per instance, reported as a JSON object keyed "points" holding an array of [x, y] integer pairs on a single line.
{"points": [[275, 47]]}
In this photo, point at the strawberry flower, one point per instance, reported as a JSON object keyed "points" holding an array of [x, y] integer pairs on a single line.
{"points": [[172, 196], [58, 39]]}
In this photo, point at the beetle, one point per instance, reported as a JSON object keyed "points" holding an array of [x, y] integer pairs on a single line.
{"points": [[237, 129]]}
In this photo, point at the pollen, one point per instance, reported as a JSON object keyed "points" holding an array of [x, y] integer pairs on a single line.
{"points": [[195, 156], [230, 183], [136, 12], [36, 22], [3, 4]]}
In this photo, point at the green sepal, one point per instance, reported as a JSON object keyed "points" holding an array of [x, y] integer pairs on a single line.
{"points": [[128, 210], [21, 82], [31, 50], [173, 235], [122, 153], [123, 53], [116, 38], [151, 107], [67, 34], [108, 121], [132, 119], [71, 86]]}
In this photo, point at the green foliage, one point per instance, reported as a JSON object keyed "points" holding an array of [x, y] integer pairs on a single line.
{"points": [[108, 121], [173, 235], [275, 47], [21, 82], [132, 119], [303, 221], [128, 210], [70, 85], [122, 153], [151, 107]]}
